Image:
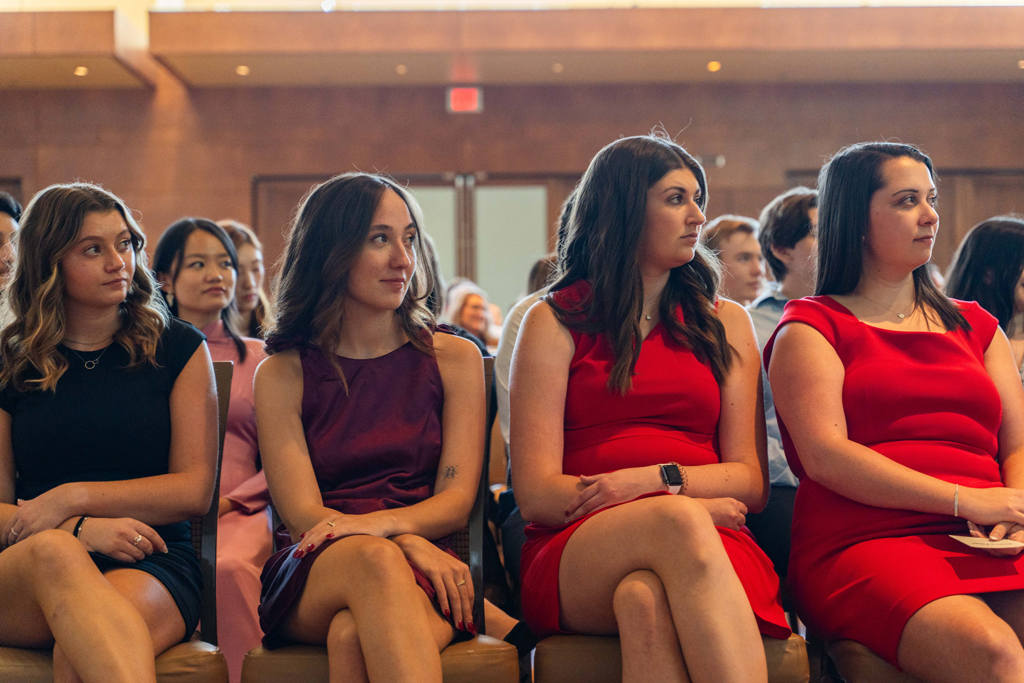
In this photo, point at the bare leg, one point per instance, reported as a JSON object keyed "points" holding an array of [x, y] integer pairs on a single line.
{"points": [[1009, 606], [398, 631], [959, 638], [646, 631], [53, 591], [498, 623], [673, 537]]}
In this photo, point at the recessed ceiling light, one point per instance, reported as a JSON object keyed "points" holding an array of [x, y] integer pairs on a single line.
{"points": [[714, 66], [242, 70], [401, 69], [81, 71], [328, 5], [558, 67]]}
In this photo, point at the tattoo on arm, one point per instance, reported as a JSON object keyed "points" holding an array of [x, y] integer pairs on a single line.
{"points": [[450, 471]]}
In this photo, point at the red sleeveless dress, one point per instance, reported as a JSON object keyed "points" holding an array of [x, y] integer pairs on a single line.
{"points": [[671, 414], [924, 400]]}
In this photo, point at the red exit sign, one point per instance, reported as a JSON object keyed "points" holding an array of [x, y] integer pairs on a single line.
{"points": [[464, 100]]}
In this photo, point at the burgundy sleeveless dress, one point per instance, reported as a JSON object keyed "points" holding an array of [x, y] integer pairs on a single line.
{"points": [[924, 400], [670, 414], [375, 448]]}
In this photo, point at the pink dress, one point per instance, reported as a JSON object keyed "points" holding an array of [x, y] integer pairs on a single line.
{"points": [[244, 538]]}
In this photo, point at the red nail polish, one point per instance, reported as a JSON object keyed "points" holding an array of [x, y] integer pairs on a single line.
{"points": [[448, 613], [309, 548], [302, 535], [298, 553], [330, 535], [459, 625], [472, 628]]}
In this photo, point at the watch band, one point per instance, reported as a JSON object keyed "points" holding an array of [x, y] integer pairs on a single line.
{"points": [[672, 477]]}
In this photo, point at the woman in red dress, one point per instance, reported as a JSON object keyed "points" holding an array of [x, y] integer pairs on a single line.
{"points": [[630, 372], [891, 401]]}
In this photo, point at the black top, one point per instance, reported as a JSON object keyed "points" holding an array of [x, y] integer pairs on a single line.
{"points": [[107, 423]]}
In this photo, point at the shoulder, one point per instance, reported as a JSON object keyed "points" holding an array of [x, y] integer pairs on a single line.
{"points": [[255, 348], [178, 332], [451, 348], [571, 296], [983, 324], [739, 329], [279, 368]]}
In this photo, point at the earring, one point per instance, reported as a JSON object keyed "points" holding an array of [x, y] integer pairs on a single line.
{"points": [[170, 300]]}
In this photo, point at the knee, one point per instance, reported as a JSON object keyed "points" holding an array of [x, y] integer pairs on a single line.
{"points": [[640, 605], [684, 525], [1001, 650], [53, 553], [343, 640], [377, 560]]}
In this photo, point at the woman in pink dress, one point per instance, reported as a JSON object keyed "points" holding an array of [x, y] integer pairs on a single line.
{"points": [[197, 264]]}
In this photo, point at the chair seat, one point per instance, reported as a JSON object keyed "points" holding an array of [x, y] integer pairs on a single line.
{"points": [[598, 659], [191, 662], [857, 664], [467, 662]]}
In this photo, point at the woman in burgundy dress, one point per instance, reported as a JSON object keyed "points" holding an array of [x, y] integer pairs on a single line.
{"points": [[350, 410], [900, 411], [630, 382]]}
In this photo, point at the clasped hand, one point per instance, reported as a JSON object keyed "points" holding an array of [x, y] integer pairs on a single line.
{"points": [[1002, 508], [116, 538], [46, 511], [338, 525], [450, 577]]}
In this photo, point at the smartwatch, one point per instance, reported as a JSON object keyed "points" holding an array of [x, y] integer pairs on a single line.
{"points": [[671, 475]]}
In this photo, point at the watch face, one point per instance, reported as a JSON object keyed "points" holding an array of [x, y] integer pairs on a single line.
{"points": [[670, 474]]}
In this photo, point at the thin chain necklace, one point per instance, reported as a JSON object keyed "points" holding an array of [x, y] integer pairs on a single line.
{"points": [[901, 316], [89, 364]]}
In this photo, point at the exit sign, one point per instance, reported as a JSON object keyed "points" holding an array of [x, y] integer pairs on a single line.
{"points": [[464, 100]]}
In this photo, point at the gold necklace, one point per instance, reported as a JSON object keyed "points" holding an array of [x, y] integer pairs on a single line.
{"points": [[901, 316]]}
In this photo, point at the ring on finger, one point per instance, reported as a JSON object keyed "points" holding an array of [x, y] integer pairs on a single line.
{"points": [[460, 583], [135, 541], [330, 523]]}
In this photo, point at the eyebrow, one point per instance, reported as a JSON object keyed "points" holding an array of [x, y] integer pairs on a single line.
{"points": [[677, 188], [385, 226], [915, 191], [98, 238], [197, 255]]}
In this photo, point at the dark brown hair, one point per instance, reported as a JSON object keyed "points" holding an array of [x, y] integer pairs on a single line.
{"points": [[987, 266], [846, 184], [602, 247], [784, 222], [49, 229], [326, 239], [241, 234]]}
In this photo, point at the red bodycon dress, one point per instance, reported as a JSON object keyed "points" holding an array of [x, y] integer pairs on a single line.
{"points": [[671, 414], [924, 400]]}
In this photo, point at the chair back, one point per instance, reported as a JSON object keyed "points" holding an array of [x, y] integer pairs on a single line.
{"points": [[204, 529]]}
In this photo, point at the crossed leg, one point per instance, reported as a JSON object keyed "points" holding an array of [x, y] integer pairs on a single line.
{"points": [[361, 600], [53, 592], [655, 572]]}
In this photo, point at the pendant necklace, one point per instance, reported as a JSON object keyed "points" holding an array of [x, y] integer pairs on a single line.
{"points": [[901, 316], [89, 364]]}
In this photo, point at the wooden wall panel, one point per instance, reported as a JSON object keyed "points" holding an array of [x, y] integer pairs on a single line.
{"points": [[172, 152]]}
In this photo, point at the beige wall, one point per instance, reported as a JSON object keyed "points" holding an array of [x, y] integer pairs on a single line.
{"points": [[173, 152]]}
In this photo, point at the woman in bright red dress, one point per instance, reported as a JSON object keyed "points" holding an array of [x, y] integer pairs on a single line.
{"points": [[900, 411], [631, 365]]}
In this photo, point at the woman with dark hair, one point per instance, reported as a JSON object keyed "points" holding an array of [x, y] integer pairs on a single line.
{"points": [[198, 268], [891, 399], [250, 299], [108, 443], [632, 381], [367, 487], [989, 268]]}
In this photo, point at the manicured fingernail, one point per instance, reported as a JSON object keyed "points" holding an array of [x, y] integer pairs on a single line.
{"points": [[459, 625], [471, 628], [298, 553], [302, 535], [166, 550], [448, 613], [309, 548], [330, 535]]}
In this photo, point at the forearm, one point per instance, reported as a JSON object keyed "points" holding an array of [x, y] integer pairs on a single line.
{"points": [[1012, 467], [741, 481], [870, 478], [440, 515], [158, 500], [544, 500]]}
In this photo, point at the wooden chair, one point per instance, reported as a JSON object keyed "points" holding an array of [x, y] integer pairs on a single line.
{"points": [[198, 660], [855, 663], [482, 658]]}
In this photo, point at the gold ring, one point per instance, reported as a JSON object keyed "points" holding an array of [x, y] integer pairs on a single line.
{"points": [[330, 523], [135, 541], [461, 582]]}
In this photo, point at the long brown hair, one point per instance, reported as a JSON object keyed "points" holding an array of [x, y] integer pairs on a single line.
{"points": [[325, 241], [49, 229], [602, 247], [242, 234]]}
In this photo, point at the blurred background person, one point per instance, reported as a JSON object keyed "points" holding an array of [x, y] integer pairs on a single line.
{"points": [[250, 298], [788, 239], [468, 307], [10, 214], [198, 267], [989, 268], [734, 240]]}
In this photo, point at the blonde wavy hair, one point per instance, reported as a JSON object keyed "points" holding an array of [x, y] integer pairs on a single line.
{"points": [[49, 228]]}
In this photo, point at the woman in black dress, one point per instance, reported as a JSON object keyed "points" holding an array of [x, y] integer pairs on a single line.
{"points": [[107, 446]]}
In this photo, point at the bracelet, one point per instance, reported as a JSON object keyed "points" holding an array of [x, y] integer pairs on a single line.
{"points": [[78, 527], [686, 480], [956, 501]]}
